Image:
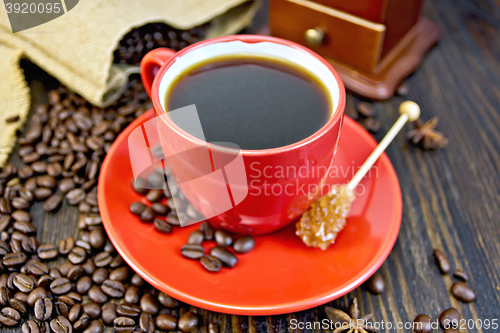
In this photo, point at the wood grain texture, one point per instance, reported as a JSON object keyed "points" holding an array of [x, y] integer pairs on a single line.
{"points": [[451, 196]]}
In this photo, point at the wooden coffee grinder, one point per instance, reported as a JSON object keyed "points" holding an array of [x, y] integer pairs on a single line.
{"points": [[373, 44]]}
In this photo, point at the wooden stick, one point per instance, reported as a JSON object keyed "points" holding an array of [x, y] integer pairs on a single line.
{"points": [[410, 111]]}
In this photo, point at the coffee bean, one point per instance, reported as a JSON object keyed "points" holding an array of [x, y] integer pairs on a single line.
{"points": [[82, 323], [84, 244], [46, 181], [31, 157], [64, 269], [52, 202], [24, 227], [36, 267], [42, 193], [376, 284], [94, 327], [94, 142], [21, 296], [75, 272], [123, 325], [4, 296], [4, 222], [108, 313], [60, 286], [24, 283], [77, 255], [20, 203], [47, 251], [36, 294], [132, 295], [93, 310], [103, 259], [159, 209], [61, 308], [137, 208], [67, 299], [463, 292], [192, 251], [15, 245], [162, 226], [5, 206], [222, 238], [450, 318], [147, 215], [96, 238], [18, 305], [422, 324], [93, 220], [75, 312], [188, 322], [83, 284], [167, 301], [140, 186], [196, 237], [9, 316], [244, 244], [21, 215], [14, 259], [43, 309], [176, 219], [459, 274], [137, 280], [39, 167], [66, 185], [149, 304], [207, 230], [442, 261], [89, 266], [66, 245], [96, 295], [403, 89], [154, 195], [211, 263], [366, 109], [146, 323], [113, 288], [166, 322], [119, 274], [75, 196], [224, 255], [128, 310], [30, 326], [61, 325], [100, 275], [372, 125]]}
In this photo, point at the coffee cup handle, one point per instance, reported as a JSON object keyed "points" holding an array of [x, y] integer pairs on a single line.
{"points": [[150, 64]]}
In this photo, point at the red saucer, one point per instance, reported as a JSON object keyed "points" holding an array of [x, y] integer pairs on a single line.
{"points": [[281, 274]]}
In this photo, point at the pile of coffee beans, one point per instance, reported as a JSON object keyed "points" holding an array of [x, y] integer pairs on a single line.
{"points": [[167, 203], [170, 214], [449, 318], [220, 255], [91, 287], [460, 290], [134, 45]]}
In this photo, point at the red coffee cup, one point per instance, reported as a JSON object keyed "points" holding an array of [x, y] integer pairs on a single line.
{"points": [[245, 191]]}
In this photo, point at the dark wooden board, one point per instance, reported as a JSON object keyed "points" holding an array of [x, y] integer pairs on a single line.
{"points": [[451, 196]]}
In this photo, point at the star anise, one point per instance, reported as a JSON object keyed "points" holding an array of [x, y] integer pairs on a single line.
{"points": [[426, 136], [342, 322]]}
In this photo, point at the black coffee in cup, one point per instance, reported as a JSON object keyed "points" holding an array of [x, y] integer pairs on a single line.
{"points": [[256, 102]]}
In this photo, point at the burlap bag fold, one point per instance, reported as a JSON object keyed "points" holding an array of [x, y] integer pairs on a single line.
{"points": [[77, 48]]}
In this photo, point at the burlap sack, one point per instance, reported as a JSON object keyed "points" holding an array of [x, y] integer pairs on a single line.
{"points": [[77, 48]]}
